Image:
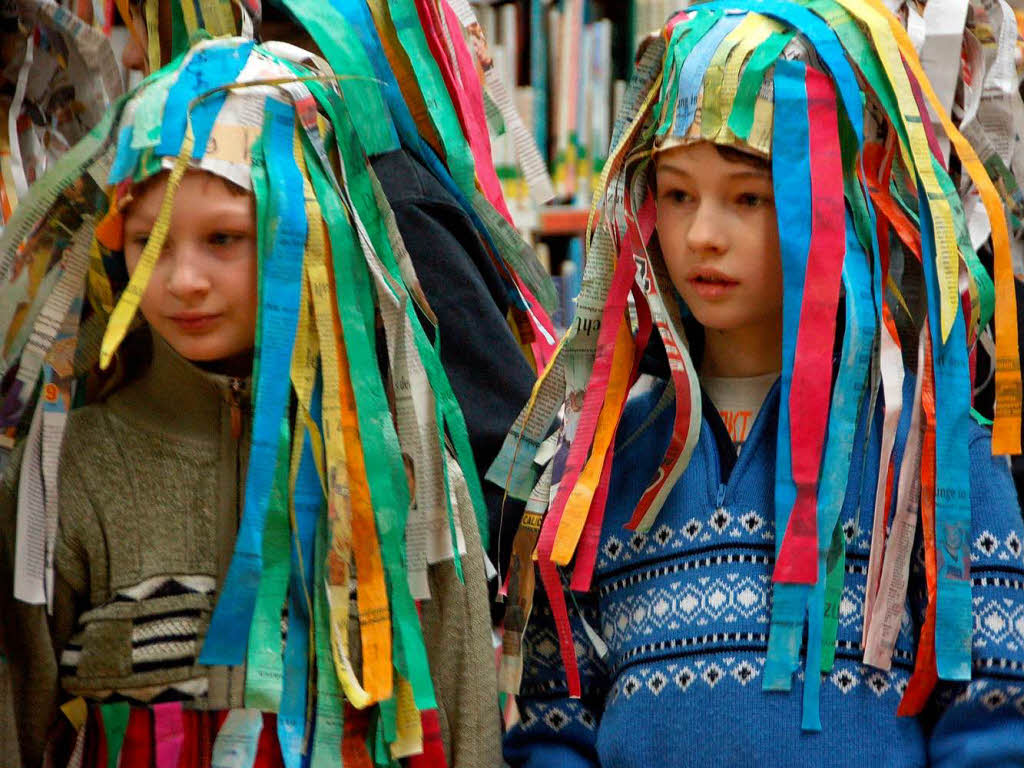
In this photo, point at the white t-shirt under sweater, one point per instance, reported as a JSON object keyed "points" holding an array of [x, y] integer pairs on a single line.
{"points": [[738, 400]]}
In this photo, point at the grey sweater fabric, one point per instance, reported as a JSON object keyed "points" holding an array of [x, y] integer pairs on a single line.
{"points": [[151, 482]]}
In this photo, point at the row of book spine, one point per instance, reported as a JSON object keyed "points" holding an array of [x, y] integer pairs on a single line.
{"points": [[557, 57]]}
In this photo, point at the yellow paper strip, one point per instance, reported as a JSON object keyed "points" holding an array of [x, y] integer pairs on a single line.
{"points": [[124, 312]]}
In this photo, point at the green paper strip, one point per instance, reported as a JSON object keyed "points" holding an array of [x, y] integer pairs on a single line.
{"points": [[384, 468], [742, 116], [330, 707], [458, 157], [115, 725], [264, 672], [340, 45], [835, 571]]}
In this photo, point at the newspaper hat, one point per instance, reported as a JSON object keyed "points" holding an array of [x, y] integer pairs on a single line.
{"points": [[869, 213], [331, 263], [676, 125]]}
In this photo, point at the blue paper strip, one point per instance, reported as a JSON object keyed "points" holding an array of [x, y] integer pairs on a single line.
{"points": [[954, 619], [791, 179], [126, 158], [308, 502], [207, 69], [280, 281]]}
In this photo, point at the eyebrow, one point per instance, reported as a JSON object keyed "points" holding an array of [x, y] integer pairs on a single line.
{"points": [[139, 220]]}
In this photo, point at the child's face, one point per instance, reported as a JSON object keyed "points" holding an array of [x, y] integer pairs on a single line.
{"points": [[201, 297], [719, 237]]}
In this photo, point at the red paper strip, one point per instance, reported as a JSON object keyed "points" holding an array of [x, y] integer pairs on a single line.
{"points": [[680, 427], [137, 747], [433, 746], [108, 17], [354, 753], [168, 727], [586, 554], [809, 392], [556, 599], [543, 344], [466, 94], [268, 749], [96, 747], [680, 381]]}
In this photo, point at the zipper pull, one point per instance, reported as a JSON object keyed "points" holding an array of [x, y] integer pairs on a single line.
{"points": [[236, 408], [721, 496]]}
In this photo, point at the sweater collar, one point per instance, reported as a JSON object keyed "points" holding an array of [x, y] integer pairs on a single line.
{"points": [[176, 396]]}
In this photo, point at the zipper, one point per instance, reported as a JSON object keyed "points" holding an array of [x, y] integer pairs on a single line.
{"points": [[716, 463], [721, 496], [237, 387], [234, 678], [237, 390]]}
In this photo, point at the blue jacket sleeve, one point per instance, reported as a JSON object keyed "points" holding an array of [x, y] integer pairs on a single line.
{"points": [[554, 729], [981, 723]]}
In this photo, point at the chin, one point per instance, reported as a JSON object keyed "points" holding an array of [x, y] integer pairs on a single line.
{"points": [[203, 352], [715, 321]]}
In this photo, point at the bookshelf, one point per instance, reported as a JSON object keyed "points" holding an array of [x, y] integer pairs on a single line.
{"points": [[567, 62]]}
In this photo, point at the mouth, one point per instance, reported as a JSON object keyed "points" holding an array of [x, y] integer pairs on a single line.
{"points": [[194, 321], [710, 284]]}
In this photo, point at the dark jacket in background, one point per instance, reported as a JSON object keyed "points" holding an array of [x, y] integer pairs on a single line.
{"points": [[491, 378]]}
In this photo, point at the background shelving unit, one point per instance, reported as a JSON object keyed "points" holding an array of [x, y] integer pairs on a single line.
{"points": [[567, 62]]}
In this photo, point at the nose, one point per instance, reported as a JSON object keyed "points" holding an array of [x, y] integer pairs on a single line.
{"points": [[186, 276], [708, 230]]}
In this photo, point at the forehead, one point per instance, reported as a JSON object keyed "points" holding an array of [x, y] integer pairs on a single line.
{"points": [[704, 156], [196, 187]]}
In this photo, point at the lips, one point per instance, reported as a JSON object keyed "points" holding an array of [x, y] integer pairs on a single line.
{"points": [[711, 284], [194, 321]]}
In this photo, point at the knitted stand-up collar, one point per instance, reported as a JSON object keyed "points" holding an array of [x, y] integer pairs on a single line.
{"points": [[178, 397]]}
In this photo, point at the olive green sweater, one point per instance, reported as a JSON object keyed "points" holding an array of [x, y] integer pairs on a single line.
{"points": [[151, 483]]}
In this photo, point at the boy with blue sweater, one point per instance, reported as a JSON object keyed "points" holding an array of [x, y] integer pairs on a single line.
{"points": [[848, 587]]}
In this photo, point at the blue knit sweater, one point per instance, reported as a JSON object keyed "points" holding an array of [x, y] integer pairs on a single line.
{"points": [[685, 609]]}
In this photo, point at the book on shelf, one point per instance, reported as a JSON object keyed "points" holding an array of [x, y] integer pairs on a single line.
{"points": [[651, 15], [566, 51]]}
